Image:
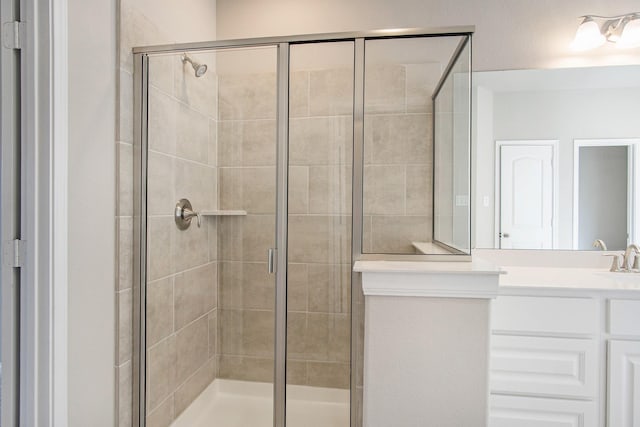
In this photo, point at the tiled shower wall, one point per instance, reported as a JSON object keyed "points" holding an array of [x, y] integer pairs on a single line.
{"points": [[182, 265], [398, 156]]}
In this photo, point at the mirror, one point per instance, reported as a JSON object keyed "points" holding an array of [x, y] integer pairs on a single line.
{"points": [[556, 158]]}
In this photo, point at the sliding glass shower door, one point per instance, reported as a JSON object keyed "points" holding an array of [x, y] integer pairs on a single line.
{"points": [[210, 222], [321, 103]]}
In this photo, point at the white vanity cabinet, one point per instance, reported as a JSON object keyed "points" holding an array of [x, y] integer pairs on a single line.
{"points": [[564, 359], [623, 394]]}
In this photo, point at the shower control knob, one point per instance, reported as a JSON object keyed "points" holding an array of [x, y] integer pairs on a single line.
{"points": [[184, 213]]}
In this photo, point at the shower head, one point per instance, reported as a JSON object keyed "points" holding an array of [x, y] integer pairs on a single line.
{"points": [[198, 68]]}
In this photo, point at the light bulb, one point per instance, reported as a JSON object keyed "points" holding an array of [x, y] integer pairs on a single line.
{"points": [[588, 35], [630, 36]]}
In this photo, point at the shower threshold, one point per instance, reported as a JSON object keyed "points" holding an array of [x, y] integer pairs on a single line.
{"points": [[231, 403]]}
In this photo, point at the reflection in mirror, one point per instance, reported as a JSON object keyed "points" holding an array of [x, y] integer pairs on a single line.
{"points": [[556, 158]]}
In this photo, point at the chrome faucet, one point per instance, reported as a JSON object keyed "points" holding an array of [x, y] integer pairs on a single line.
{"points": [[599, 243], [632, 251]]}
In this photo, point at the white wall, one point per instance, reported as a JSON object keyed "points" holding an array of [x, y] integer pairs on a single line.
{"points": [[92, 95], [510, 34], [561, 115]]}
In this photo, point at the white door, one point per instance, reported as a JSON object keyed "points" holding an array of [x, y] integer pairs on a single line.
{"points": [[624, 384], [526, 197]]}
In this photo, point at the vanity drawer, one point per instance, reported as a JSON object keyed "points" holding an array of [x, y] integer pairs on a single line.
{"points": [[512, 411], [545, 315], [544, 366], [624, 317]]}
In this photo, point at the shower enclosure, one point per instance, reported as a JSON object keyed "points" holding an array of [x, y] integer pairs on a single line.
{"points": [[264, 168]]}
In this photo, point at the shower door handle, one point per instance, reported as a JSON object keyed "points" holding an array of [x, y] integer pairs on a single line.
{"points": [[272, 259]]}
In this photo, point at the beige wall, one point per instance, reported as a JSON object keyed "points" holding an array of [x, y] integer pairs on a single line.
{"points": [[91, 203], [511, 34]]}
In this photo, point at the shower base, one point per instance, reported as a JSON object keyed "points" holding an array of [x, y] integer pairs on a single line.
{"points": [[230, 403]]}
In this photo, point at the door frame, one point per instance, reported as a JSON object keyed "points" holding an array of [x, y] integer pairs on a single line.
{"points": [[633, 187], [40, 133], [555, 145]]}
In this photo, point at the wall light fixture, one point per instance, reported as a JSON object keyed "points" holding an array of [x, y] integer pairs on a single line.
{"points": [[594, 31]]}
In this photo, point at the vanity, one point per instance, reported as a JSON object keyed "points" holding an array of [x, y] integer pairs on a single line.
{"points": [[565, 346]]}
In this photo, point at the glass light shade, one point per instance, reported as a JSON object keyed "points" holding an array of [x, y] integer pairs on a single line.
{"points": [[630, 36], [588, 36]]}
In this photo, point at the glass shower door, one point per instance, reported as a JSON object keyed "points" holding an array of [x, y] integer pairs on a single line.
{"points": [[210, 213], [319, 231]]}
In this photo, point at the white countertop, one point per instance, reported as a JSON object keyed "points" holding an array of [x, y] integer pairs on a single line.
{"points": [[475, 267], [568, 278]]}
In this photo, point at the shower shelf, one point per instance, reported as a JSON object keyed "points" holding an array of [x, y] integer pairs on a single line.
{"points": [[223, 213]]}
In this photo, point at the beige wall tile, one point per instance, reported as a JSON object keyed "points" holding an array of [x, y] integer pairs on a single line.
{"points": [[125, 107], [330, 288], [331, 92], [192, 387], [298, 189], [212, 154], [394, 234], [196, 182], [421, 81], [125, 179], [125, 325], [318, 238], [328, 374], [159, 246], [320, 141], [212, 226], [299, 94], [328, 337], [330, 189], [296, 372], [125, 386], [195, 294], [161, 69], [162, 122], [161, 372], [159, 310], [296, 335], [245, 332], [163, 415], [125, 253], [161, 198], [245, 368], [190, 247], [398, 139], [247, 96], [247, 143], [198, 92], [192, 134], [213, 333], [246, 285], [246, 238], [384, 189], [192, 348], [136, 30], [419, 189], [297, 287], [384, 89], [249, 188]]}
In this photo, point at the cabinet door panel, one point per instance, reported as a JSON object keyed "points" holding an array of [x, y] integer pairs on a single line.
{"points": [[544, 366], [515, 411], [624, 317], [624, 384]]}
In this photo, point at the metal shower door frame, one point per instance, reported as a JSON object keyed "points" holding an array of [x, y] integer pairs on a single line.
{"points": [[140, 150]]}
